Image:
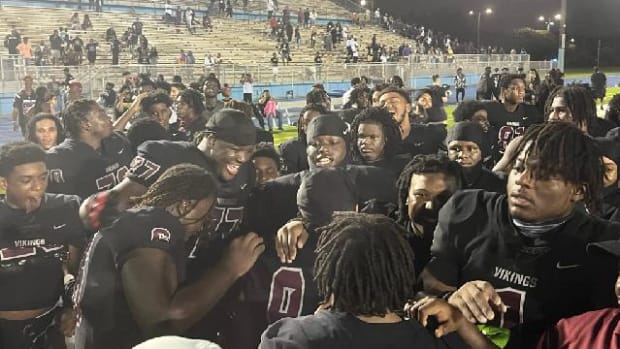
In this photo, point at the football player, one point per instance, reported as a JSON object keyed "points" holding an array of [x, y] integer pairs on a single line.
{"points": [[92, 158], [130, 287], [517, 263], [41, 238]]}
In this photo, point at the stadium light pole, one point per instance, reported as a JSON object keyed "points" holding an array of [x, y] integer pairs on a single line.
{"points": [[562, 49], [487, 11]]}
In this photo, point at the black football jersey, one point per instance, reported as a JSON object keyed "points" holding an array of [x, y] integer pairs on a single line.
{"points": [[155, 157], [424, 139], [475, 239], [75, 168], [105, 319], [33, 248], [511, 125]]}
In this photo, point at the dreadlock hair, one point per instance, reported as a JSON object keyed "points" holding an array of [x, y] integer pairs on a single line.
{"points": [[613, 110], [425, 164], [19, 153], [580, 102], [75, 114], [31, 127], [194, 99], [464, 111], [320, 108], [382, 118], [178, 183], [365, 263], [560, 149]]}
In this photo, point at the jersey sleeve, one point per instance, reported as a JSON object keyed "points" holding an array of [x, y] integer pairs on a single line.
{"points": [[284, 334], [60, 179], [445, 256], [147, 165], [134, 231]]}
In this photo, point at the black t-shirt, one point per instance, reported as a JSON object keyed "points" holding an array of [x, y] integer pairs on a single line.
{"points": [[424, 139], [107, 321], [331, 329], [287, 290], [294, 156], [510, 125], [33, 248], [76, 168], [91, 49], [540, 281], [23, 101]]}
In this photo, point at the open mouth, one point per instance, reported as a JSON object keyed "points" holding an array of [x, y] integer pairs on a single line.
{"points": [[233, 169], [324, 161]]}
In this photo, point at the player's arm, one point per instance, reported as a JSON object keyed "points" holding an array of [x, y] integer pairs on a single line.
{"points": [[121, 123], [449, 319], [504, 165], [160, 306]]}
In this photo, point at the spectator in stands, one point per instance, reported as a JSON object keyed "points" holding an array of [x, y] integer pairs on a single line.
{"points": [[206, 22], [75, 21], [274, 66], [25, 50], [45, 130], [91, 51], [98, 5], [78, 47], [313, 17], [168, 12], [87, 24], [181, 57], [137, 26], [229, 9], [115, 49], [12, 40]]}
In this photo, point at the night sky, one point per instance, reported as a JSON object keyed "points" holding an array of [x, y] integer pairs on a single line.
{"points": [[586, 18]]}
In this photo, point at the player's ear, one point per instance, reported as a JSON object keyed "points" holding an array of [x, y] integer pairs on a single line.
{"points": [[578, 193], [210, 140]]}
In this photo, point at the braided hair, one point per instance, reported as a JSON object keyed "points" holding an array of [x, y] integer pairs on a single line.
{"points": [[561, 149], [423, 164], [365, 263], [581, 104], [380, 117], [178, 183]]}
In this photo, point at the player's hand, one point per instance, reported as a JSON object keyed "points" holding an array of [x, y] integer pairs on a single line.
{"points": [[99, 209], [477, 300], [449, 318], [67, 322], [289, 238], [243, 252], [138, 101]]}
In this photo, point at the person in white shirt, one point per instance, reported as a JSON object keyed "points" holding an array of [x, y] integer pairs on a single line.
{"points": [[248, 88]]}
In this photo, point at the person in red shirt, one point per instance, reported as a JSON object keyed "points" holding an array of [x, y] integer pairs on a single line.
{"points": [[593, 329]]}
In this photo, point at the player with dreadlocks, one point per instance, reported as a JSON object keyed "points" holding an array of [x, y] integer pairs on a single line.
{"points": [[364, 273], [576, 104], [519, 261], [293, 152], [375, 140], [129, 288], [423, 187]]}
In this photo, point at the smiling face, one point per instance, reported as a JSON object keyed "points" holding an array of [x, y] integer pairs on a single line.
{"points": [[229, 157], [326, 151], [160, 112]]}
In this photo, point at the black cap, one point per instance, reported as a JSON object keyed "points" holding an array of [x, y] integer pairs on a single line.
{"points": [[232, 126], [327, 125]]}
